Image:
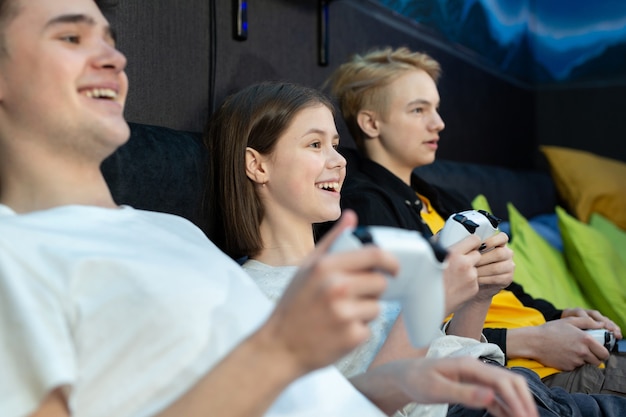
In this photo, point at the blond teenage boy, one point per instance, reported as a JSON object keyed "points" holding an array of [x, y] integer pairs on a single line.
{"points": [[389, 101]]}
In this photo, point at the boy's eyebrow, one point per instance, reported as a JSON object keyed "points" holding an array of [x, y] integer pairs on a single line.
{"points": [[71, 18], [79, 19], [419, 101]]}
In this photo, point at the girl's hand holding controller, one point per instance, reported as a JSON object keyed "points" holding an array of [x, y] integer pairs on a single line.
{"points": [[496, 266], [461, 276], [465, 223], [494, 269]]}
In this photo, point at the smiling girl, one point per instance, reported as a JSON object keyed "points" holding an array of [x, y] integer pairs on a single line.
{"points": [[274, 172]]}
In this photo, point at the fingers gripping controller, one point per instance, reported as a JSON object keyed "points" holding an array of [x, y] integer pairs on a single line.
{"points": [[604, 337], [460, 225], [419, 283]]}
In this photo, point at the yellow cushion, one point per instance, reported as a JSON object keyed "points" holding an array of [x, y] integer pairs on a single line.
{"points": [[589, 183]]}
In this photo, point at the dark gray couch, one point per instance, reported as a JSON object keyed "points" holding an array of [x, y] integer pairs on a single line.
{"points": [[159, 169]]}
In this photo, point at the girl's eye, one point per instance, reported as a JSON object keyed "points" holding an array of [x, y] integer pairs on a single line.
{"points": [[418, 110], [75, 39], [335, 146], [315, 145]]}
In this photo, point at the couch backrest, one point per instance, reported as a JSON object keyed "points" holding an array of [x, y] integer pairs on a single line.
{"points": [[159, 169], [532, 192]]}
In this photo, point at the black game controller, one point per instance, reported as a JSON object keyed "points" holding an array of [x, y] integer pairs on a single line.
{"points": [[419, 283]]}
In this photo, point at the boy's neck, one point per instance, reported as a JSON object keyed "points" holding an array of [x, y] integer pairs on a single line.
{"points": [[29, 183], [400, 171]]}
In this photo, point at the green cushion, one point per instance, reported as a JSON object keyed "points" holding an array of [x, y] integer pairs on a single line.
{"points": [[616, 236], [480, 203], [540, 268], [595, 263]]}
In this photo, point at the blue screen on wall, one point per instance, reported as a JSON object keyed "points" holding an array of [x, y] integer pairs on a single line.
{"points": [[536, 41]]}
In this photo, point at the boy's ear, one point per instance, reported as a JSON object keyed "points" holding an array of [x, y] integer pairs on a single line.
{"points": [[255, 166], [368, 123]]}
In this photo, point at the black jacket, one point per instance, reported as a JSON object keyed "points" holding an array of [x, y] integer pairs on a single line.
{"points": [[380, 198]]}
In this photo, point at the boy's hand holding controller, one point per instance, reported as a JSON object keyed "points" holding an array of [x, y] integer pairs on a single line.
{"points": [[606, 332], [604, 337], [562, 344], [418, 284], [603, 321]]}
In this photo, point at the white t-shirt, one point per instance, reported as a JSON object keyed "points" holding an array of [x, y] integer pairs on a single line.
{"points": [[127, 309], [273, 281]]}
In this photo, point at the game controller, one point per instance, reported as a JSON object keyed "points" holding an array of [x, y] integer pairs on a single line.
{"points": [[459, 225], [419, 283], [604, 337]]}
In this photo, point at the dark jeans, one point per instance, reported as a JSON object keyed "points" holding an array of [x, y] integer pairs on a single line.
{"points": [[556, 401]]}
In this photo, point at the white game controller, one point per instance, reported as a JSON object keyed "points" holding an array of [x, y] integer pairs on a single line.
{"points": [[419, 283], [604, 337], [459, 225]]}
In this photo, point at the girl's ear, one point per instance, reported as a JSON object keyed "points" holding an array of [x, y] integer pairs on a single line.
{"points": [[368, 123], [255, 166]]}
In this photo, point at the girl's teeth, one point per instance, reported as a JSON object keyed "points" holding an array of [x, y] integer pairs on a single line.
{"points": [[328, 185]]}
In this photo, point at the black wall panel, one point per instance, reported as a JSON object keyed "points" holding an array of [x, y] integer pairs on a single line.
{"points": [[586, 118], [489, 119], [167, 44], [183, 60]]}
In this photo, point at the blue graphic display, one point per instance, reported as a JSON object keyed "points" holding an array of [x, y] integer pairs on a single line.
{"points": [[537, 41]]}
